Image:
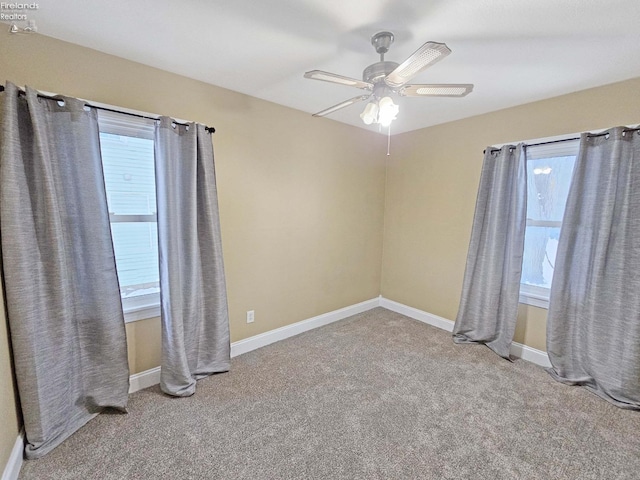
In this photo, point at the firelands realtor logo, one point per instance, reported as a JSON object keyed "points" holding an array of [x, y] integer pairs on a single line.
{"points": [[19, 13], [16, 11]]}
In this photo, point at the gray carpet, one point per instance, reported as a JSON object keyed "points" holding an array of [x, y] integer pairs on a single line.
{"points": [[375, 396]]}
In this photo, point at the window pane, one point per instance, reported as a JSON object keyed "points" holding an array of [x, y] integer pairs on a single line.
{"points": [[548, 181], [136, 248], [540, 246], [549, 172], [129, 175], [129, 171]]}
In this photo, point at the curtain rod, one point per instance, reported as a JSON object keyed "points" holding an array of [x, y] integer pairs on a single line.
{"points": [[590, 135], [106, 109], [541, 143]]}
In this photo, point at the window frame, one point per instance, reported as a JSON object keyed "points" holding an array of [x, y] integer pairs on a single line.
{"points": [[532, 294], [138, 307]]}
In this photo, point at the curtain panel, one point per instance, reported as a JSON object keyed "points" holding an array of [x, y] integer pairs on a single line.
{"points": [[593, 326], [63, 299], [195, 318], [491, 287]]}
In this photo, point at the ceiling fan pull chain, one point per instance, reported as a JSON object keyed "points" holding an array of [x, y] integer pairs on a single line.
{"points": [[388, 139]]}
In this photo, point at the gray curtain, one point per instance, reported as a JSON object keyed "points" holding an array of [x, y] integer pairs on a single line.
{"points": [[490, 291], [63, 300], [195, 319], [593, 327]]}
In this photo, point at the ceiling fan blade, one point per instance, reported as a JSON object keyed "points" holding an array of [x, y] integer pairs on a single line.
{"points": [[344, 104], [335, 78], [425, 56], [442, 90]]}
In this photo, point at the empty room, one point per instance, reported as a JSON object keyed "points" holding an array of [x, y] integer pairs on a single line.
{"points": [[320, 240]]}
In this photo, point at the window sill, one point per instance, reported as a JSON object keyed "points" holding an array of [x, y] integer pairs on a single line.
{"points": [[141, 307], [141, 313], [539, 301]]}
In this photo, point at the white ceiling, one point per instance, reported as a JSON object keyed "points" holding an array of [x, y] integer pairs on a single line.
{"points": [[514, 51]]}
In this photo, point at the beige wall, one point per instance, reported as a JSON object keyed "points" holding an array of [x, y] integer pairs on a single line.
{"points": [[9, 423], [432, 181], [301, 199]]}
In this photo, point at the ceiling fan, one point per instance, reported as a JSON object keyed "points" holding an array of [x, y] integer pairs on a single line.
{"points": [[383, 78]]}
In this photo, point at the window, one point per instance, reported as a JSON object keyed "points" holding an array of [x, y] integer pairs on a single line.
{"points": [[549, 172], [126, 143]]}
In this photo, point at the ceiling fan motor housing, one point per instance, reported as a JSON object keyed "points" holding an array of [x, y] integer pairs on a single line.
{"points": [[376, 72]]}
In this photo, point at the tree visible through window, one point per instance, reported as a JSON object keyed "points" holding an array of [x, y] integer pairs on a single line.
{"points": [[549, 172]]}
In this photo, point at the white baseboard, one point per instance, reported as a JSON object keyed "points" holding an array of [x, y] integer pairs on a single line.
{"points": [[416, 314], [151, 377], [530, 354], [12, 468], [148, 378], [263, 339], [142, 380], [519, 350]]}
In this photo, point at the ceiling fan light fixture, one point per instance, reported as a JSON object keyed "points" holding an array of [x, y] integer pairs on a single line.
{"points": [[370, 113], [387, 111]]}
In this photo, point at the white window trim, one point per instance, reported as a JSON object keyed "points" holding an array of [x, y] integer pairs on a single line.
{"points": [[535, 296], [141, 307], [531, 294]]}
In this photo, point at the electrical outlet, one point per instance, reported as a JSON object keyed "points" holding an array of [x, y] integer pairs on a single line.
{"points": [[250, 316]]}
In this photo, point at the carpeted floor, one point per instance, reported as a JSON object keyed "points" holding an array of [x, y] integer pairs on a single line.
{"points": [[375, 396]]}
